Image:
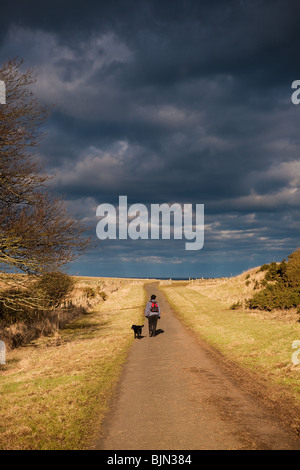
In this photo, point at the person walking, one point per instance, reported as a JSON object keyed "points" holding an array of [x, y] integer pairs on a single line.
{"points": [[152, 312]]}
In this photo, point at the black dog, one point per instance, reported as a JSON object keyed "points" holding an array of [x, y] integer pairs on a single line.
{"points": [[137, 330]]}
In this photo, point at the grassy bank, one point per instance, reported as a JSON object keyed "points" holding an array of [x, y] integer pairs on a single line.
{"points": [[52, 389], [257, 342]]}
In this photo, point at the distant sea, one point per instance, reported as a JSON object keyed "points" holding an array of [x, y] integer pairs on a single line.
{"points": [[177, 278]]}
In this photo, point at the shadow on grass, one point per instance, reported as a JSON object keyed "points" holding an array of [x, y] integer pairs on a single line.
{"points": [[83, 326], [123, 308], [84, 331]]}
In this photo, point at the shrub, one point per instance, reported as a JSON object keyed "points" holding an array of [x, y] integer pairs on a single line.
{"points": [[275, 271], [90, 292], [54, 287], [103, 295], [275, 296], [264, 267], [236, 305], [293, 269], [284, 292]]}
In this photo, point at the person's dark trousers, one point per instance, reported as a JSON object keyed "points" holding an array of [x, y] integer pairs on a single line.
{"points": [[152, 324]]}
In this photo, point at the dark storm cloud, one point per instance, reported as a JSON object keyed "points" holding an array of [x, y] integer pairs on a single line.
{"points": [[182, 101]]}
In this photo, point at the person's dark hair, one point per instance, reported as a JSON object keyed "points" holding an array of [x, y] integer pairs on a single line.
{"points": [[153, 297]]}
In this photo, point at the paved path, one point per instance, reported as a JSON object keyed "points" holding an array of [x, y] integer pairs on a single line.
{"points": [[173, 396]]}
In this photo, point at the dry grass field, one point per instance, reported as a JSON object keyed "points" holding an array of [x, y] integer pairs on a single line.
{"points": [[237, 290], [229, 290], [53, 389]]}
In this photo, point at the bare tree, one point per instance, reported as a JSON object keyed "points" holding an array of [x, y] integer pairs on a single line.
{"points": [[36, 234]]}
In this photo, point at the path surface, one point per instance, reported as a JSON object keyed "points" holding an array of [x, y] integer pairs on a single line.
{"points": [[173, 396]]}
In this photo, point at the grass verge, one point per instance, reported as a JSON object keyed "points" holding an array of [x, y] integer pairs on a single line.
{"points": [[54, 390], [261, 345]]}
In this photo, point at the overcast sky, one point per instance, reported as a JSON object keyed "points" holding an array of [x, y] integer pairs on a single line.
{"points": [[170, 102]]}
